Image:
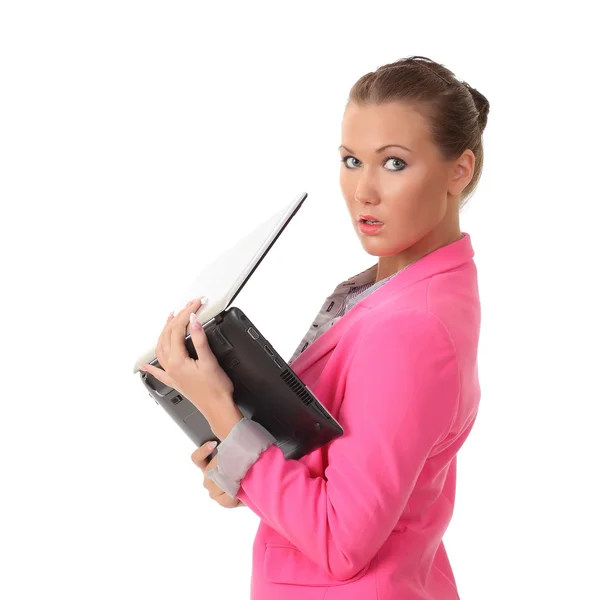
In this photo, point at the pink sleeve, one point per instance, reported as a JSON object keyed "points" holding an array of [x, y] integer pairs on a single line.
{"points": [[400, 399]]}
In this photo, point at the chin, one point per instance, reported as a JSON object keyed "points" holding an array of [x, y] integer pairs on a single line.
{"points": [[370, 246], [378, 246]]}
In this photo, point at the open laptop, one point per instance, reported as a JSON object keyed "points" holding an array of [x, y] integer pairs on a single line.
{"points": [[266, 389]]}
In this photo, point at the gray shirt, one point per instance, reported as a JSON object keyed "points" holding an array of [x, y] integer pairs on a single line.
{"points": [[248, 439]]}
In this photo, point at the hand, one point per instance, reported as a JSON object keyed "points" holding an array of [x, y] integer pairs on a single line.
{"points": [[199, 458], [202, 381]]}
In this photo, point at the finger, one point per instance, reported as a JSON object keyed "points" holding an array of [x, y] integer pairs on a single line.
{"points": [[198, 304], [164, 341], [165, 338], [198, 335], [192, 305], [162, 351], [178, 351], [159, 374], [227, 501], [201, 454], [214, 491], [163, 346], [173, 316]]}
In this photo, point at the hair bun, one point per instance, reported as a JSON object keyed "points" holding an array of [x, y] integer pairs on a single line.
{"points": [[481, 103]]}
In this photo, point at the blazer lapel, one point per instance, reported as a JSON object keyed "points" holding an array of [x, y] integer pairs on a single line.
{"points": [[443, 259], [327, 340]]}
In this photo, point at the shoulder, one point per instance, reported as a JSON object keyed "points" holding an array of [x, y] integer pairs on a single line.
{"points": [[403, 326], [409, 356], [404, 345]]}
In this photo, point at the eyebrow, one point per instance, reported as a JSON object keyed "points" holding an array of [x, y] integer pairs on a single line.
{"points": [[380, 149]]}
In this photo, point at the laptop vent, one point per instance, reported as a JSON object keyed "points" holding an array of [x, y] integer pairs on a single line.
{"points": [[295, 384]]}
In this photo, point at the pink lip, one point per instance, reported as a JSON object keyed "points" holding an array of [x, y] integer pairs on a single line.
{"points": [[367, 218], [369, 229]]}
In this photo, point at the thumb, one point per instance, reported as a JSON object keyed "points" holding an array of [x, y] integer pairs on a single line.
{"points": [[201, 454], [197, 332]]}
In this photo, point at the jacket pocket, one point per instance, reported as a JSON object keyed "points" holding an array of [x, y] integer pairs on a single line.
{"points": [[286, 564]]}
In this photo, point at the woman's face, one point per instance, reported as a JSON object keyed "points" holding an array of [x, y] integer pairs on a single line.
{"points": [[411, 190]]}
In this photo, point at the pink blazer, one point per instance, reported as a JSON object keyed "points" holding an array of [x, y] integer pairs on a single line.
{"points": [[363, 517]]}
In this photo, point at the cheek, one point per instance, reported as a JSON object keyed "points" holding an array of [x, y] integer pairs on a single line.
{"points": [[413, 218], [416, 197], [347, 190], [345, 184]]}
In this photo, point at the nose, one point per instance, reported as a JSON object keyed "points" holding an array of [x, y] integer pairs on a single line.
{"points": [[366, 196], [365, 192]]}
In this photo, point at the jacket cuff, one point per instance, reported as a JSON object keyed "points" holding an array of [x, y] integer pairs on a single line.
{"points": [[237, 453]]}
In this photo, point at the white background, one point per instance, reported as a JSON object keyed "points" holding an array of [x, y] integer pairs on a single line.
{"points": [[138, 139]]}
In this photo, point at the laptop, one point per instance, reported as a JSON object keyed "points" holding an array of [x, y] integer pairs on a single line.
{"points": [[266, 389]]}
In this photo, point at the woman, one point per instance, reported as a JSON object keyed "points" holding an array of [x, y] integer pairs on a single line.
{"points": [[392, 355]]}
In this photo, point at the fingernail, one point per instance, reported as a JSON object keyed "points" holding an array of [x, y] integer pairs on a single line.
{"points": [[211, 445], [195, 324]]}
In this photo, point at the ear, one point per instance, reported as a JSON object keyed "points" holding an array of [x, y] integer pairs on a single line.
{"points": [[462, 173]]}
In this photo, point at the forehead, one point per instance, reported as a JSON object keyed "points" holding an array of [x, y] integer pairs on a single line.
{"points": [[374, 125]]}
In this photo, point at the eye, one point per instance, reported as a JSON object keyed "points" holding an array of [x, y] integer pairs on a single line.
{"points": [[345, 158], [399, 163]]}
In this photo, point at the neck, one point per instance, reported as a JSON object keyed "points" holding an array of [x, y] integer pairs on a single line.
{"points": [[388, 265]]}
